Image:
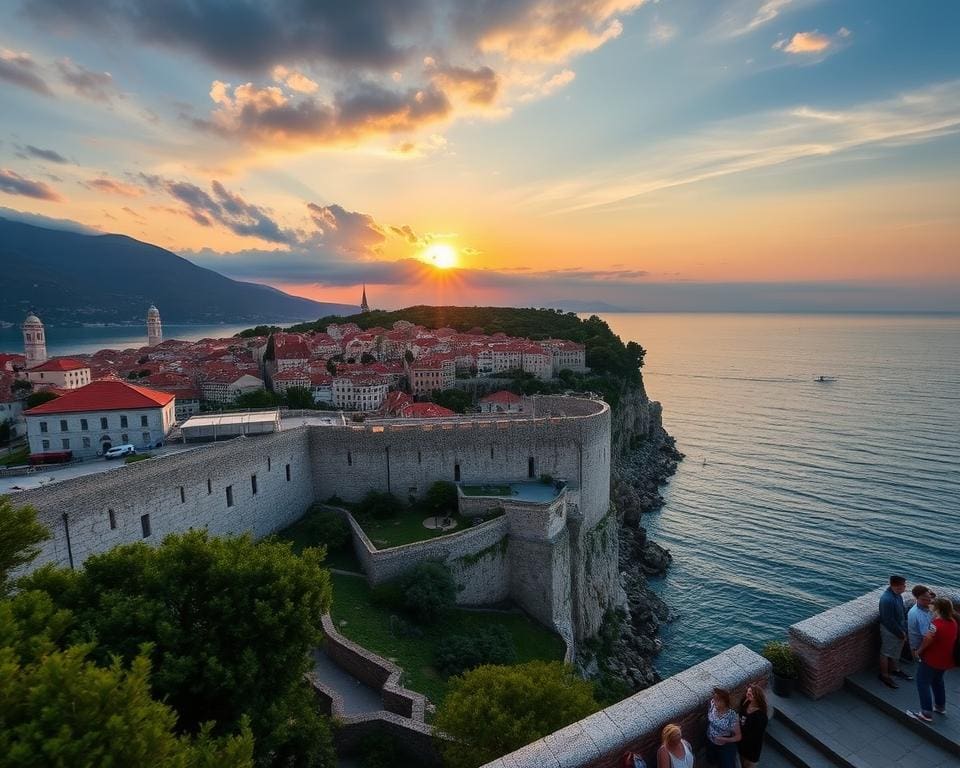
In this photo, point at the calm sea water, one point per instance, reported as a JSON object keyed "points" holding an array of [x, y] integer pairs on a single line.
{"points": [[797, 495], [72, 341]]}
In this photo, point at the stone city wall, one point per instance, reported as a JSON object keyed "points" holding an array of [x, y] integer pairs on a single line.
{"points": [[599, 741], [842, 641], [415, 742]]}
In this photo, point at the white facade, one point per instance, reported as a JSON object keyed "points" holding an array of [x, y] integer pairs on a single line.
{"points": [[359, 393], [66, 377], [228, 391], [89, 434], [154, 328], [34, 341]]}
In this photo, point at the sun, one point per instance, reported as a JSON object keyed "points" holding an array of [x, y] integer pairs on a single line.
{"points": [[441, 255]]}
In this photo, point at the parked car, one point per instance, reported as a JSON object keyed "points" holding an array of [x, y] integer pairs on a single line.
{"points": [[119, 451]]}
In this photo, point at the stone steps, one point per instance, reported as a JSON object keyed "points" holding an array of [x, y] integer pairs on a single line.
{"points": [[792, 749]]}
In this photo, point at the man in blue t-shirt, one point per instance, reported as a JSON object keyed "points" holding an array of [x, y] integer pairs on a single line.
{"points": [[893, 631], [919, 617]]}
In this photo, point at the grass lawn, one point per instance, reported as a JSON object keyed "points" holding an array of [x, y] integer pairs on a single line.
{"points": [[15, 458], [344, 559], [369, 625], [486, 490], [405, 528]]}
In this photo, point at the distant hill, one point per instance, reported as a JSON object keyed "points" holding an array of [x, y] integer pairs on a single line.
{"points": [[72, 278]]}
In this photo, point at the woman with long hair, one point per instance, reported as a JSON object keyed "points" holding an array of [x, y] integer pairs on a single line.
{"points": [[675, 751], [936, 657], [723, 730], [753, 724]]}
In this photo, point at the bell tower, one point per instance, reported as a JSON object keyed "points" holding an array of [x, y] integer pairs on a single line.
{"points": [[154, 328], [34, 341]]}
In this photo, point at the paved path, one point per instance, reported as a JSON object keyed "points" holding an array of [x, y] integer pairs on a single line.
{"points": [[357, 697]]}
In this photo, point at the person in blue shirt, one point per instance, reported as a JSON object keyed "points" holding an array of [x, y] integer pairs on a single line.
{"points": [[919, 617], [893, 631]]}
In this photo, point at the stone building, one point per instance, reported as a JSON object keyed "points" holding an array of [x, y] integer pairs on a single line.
{"points": [[90, 420], [359, 391], [227, 388], [34, 341], [429, 373], [61, 372], [154, 327]]}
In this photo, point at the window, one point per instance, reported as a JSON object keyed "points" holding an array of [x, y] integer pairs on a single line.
{"points": [[124, 438], [86, 442], [253, 484], [123, 422], [46, 445], [268, 463], [209, 487], [145, 525], [113, 519], [349, 459], [183, 496], [530, 467], [63, 425], [65, 444], [229, 495], [288, 473], [103, 422], [43, 427], [146, 439], [491, 451], [83, 424], [419, 458], [143, 421], [456, 472]]}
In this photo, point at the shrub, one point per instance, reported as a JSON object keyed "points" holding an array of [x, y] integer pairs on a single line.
{"points": [[546, 479], [389, 595], [458, 653], [429, 591], [441, 498], [380, 505], [783, 659], [324, 526]]}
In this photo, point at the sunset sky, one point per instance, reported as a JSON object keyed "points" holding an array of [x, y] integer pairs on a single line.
{"points": [[737, 154]]}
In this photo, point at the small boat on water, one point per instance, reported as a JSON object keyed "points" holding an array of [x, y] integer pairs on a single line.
{"points": [[825, 379]]}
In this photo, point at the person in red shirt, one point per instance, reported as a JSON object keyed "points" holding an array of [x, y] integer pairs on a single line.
{"points": [[936, 657]]}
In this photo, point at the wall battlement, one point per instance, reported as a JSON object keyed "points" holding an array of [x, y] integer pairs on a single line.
{"points": [[262, 484]]}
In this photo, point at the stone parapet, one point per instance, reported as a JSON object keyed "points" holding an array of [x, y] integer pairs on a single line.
{"points": [[415, 741], [600, 740]]}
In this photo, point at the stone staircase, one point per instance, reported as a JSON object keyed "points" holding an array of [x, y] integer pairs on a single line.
{"points": [[864, 725]]}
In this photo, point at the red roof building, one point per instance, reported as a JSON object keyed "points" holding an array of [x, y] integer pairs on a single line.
{"points": [[103, 395], [503, 401], [425, 411]]}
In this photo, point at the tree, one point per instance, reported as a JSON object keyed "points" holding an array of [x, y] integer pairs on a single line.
{"points": [[366, 358], [332, 367], [408, 356], [20, 386], [41, 397], [491, 711], [230, 623], [5, 430], [59, 708], [258, 398], [458, 653], [454, 399], [380, 504], [300, 398], [441, 498], [20, 537], [429, 590]]}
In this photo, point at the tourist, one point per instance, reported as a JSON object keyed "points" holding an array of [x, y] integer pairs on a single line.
{"points": [[919, 617], [753, 724], [675, 751], [936, 657], [723, 730], [632, 759], [893, 631]]}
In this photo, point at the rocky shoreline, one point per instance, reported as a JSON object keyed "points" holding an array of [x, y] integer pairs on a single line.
{"points": [[633, 640]]}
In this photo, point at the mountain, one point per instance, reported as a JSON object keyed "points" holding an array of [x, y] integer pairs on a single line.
{"points": [[70, 277]]}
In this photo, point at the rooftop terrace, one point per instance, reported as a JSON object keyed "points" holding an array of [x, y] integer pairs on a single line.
{"points": [[537, 492]]}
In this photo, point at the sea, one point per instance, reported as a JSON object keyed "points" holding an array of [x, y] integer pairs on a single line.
{"points": [[797, 495]]}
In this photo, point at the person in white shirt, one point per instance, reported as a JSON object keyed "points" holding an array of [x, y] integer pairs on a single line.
{"points": [[919, 617]]}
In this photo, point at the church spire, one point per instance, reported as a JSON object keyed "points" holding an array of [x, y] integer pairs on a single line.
{"points": [[364, 307]]}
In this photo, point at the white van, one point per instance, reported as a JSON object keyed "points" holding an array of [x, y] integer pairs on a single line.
{"points": [[118, 451]]}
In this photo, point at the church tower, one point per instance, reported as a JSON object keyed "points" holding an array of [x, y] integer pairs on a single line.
{"points": [[154, 329], [34, 341], [364, 307]]}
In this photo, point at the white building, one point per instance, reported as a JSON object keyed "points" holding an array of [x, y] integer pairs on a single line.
{"points": [[34, 341], [359, 391], [503, 401], [566, 355], [154, 328], [105, 413], [60, 372], [430, 373], [228, 389], [293, 378]]}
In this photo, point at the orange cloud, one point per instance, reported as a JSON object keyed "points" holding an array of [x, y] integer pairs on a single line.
{"points": [[811, 42]]}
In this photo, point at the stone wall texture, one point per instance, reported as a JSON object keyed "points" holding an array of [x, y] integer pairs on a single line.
{"points": [[599, 741]]}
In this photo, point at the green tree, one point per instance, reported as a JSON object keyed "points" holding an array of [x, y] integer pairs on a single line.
{"points": [[230, 623], [41, 397], [429, 591], [58, 708], [380, 504], [20, 539], [458, 653], [5, 431], [454, 399], [332, 367], [409, 356], [441, 498], [491, 711], [258, 398], [300, 398]]}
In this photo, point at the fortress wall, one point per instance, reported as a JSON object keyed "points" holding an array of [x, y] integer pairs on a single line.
{"points": [[596, 578], [540, 580], [153, 487]]}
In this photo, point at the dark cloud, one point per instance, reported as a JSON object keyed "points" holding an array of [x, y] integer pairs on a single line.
{"points": [[97, 86], [407, 234], [21, 70], [343, 232], [476, 86], [252, 35], [15, 184], [44, 154], [113, 187]]}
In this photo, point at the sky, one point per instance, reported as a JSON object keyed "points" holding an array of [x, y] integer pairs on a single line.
{"points": [[767, 155]]}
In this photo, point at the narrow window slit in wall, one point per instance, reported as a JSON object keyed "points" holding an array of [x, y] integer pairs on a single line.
{"points": [[229, 495], [269, 464], [183, 495], [145, 525], [456, 473], [288, 473], [209, 487], [530, 467], [349, 459], [253, 484], [113, 519]]}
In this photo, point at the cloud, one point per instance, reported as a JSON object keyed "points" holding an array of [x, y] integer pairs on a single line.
{"points": [[344, 232], [662, 32], [21, 70], [803, 42], [476, 86], [96, 86], [30, 151], [14, 184], [547, 86], [753, 142], [295, 81], [113, 187], [766, 12]]}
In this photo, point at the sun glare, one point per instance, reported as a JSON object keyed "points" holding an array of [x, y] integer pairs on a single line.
{"points": [[441, 255]]}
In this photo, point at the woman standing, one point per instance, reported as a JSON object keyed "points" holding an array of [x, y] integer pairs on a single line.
{"points": [[675, 751], [936, 657], [753, 724], [723, 730]]}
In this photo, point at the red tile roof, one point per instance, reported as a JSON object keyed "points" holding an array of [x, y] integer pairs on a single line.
{"points": [[59, 364], [105, 395], [424, 411], [503, 396]]}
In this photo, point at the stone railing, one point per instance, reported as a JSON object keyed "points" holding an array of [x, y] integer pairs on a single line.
{"points": [[842, 641], [599, 741]]}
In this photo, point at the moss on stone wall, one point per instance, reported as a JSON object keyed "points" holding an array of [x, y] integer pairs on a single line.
{"points": [[498, 548]]}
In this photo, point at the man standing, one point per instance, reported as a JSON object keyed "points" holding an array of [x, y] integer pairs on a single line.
{"points": [[893, 631], [919, 617]]}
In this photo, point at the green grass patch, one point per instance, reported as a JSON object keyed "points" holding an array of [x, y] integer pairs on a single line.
{"points": [[370, 625], [405, 528], [301, 537], [486, 490], [134, 458], [15, 458]]}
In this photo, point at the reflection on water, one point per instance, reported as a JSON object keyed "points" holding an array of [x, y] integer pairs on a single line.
{"points": [[795, 494]]}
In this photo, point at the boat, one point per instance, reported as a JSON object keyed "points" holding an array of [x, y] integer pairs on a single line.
{"points": [[825, 379]]}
